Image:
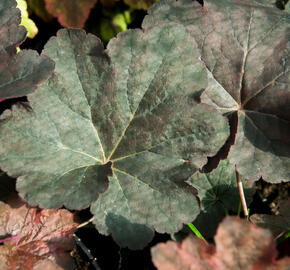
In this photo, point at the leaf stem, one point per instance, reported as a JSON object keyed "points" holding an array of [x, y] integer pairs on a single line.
{"points": [[242, 195], [85, 223]]}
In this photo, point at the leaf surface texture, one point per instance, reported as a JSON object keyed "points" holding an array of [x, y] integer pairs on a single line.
{"points": [[245, 47], [123, 122], [35, 239]]}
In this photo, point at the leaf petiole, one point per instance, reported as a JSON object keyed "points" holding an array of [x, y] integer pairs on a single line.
{"points": [[241, 193]]}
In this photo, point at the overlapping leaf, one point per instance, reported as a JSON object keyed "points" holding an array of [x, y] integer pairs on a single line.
{"points": [[29, 24], [70, 13], [74, 13], [277, 224], [218, 194], [245, 47], [19, 73], [130, 116], [35, 239], [240, 245]]}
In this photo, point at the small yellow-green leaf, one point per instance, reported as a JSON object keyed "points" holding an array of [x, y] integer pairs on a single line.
{"points": [[30, 26]]}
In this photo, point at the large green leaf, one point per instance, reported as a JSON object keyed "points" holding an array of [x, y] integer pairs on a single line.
{"points": [[19, 73], [245, 47], [129, 114], [218, 194]]}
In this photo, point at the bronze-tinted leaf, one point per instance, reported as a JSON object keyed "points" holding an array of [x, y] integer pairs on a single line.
{"points": [[245, 47], [126, 116], [20, 73], [34, 238], [239, 245], [70, 13]]}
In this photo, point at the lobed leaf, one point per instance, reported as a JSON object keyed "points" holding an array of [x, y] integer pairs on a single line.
{"points": [[239, 245], [245, 48], [70, 13], [20, 73], [35, 239], [127, 116], [218, 194]]}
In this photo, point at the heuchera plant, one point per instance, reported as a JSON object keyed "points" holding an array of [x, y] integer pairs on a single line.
{"points": [[20, 73], [35, 239], [74, 13], [238, 245], [128, 130], [245, 48]]}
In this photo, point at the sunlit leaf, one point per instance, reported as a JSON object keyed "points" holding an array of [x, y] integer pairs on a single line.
{"points": [[126, 116], [245, 47], [30, 26], [35, 239]]}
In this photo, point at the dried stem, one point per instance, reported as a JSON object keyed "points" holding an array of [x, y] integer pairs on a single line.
{"points": [[242, 195]]}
